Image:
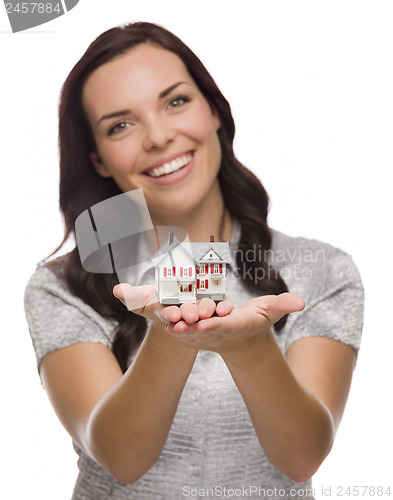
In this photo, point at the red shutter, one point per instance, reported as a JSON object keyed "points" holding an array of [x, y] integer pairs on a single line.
{"points": [[164, 272], [198, 284], [190, 271], [212, 268], [174, 271], [197, 269], [190, 288], [206, 284], [181, 271], [220, 268]]}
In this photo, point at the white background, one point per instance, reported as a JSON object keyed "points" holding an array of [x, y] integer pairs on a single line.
{"points": [[310, 84]]}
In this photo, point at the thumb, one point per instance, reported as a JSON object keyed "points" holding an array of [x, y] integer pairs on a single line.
{"points": [[136, 298], [276, 306]]}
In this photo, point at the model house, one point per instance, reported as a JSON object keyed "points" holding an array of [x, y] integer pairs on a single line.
{"points": [[188, 271]]}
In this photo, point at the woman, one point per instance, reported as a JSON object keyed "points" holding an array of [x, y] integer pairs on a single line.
{"points": [[167, 402]]}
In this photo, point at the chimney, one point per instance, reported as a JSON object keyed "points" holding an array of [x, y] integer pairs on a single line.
{"points": [[171, 236], [212, 238]]}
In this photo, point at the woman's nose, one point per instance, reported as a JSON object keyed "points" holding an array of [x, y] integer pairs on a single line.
{"points": [[158, 133]]}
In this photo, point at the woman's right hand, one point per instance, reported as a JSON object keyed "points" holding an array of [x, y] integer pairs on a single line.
{"points": [[143, 300]]}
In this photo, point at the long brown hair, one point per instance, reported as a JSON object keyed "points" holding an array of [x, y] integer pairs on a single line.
{"points": [[81, 187]]}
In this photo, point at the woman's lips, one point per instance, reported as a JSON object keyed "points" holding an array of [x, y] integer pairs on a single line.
{"points": [[168, 159], [174, 177]]}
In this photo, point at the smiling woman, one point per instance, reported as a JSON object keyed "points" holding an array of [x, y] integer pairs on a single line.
{"points": [[166, 141], [249, 390]]}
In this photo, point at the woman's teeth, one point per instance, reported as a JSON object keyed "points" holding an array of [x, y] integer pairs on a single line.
{"points": [[171, 166]]}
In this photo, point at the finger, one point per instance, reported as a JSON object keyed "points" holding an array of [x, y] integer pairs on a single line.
{"points": [[207, 308], [218, 325], [224, 307], [189, 312], [180, 327], [138, 299], [170, 313]]}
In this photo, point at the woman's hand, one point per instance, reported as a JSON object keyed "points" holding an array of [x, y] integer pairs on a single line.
{"points": [[234, 329], [143, 300], [207, 325]]}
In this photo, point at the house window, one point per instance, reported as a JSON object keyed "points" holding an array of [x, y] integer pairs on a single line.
{"points": [[169, 272], [185, 287], [202, 269], [202, 284], [216, 268], [184, 271]]}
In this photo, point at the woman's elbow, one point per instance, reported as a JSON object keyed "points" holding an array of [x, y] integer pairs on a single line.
{"points": [[122, 463], [302, 477], [301, 471], [124, 476]]}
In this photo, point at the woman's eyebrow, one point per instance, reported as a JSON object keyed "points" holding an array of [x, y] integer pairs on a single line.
{"points": [[167, 91], [113, 115], [162, 94]]}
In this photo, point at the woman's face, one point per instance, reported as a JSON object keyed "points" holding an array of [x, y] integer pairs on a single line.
{"points": [[153, 129]]}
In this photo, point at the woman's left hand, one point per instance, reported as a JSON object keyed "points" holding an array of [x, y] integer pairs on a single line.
{"points": [[235, 328]]}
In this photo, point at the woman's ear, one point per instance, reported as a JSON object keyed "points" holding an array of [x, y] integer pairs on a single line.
{"points": [[217, 122], [99, 165], [216, 118]]}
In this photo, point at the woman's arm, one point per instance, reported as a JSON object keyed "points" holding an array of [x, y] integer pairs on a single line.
{"points": [[121, 421], [296, 403]]}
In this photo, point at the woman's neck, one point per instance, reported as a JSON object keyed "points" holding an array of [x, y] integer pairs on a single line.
{"points": [[209, 218]]}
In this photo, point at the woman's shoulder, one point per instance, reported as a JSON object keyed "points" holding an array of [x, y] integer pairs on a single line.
{"points": [[312, 267], [47, 290], [50, 277], [58, 318], [301, 251], [291, 247]]}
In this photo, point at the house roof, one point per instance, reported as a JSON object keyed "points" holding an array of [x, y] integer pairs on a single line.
{"points": [[221, 249], [168, 248], [196, 250]]}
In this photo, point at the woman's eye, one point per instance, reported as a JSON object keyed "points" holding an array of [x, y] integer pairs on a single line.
{"points": [[178, 101], [119, 127]]}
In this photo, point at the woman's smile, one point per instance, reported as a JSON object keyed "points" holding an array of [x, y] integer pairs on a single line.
{"points": [[172, 171], [170, 164]]}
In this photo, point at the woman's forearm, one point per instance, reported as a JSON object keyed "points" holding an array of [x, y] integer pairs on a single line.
{"points": [[129, 426], [295, 429]]}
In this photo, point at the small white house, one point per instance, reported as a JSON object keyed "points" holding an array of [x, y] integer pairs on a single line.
{"points": [[188, 271]]}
